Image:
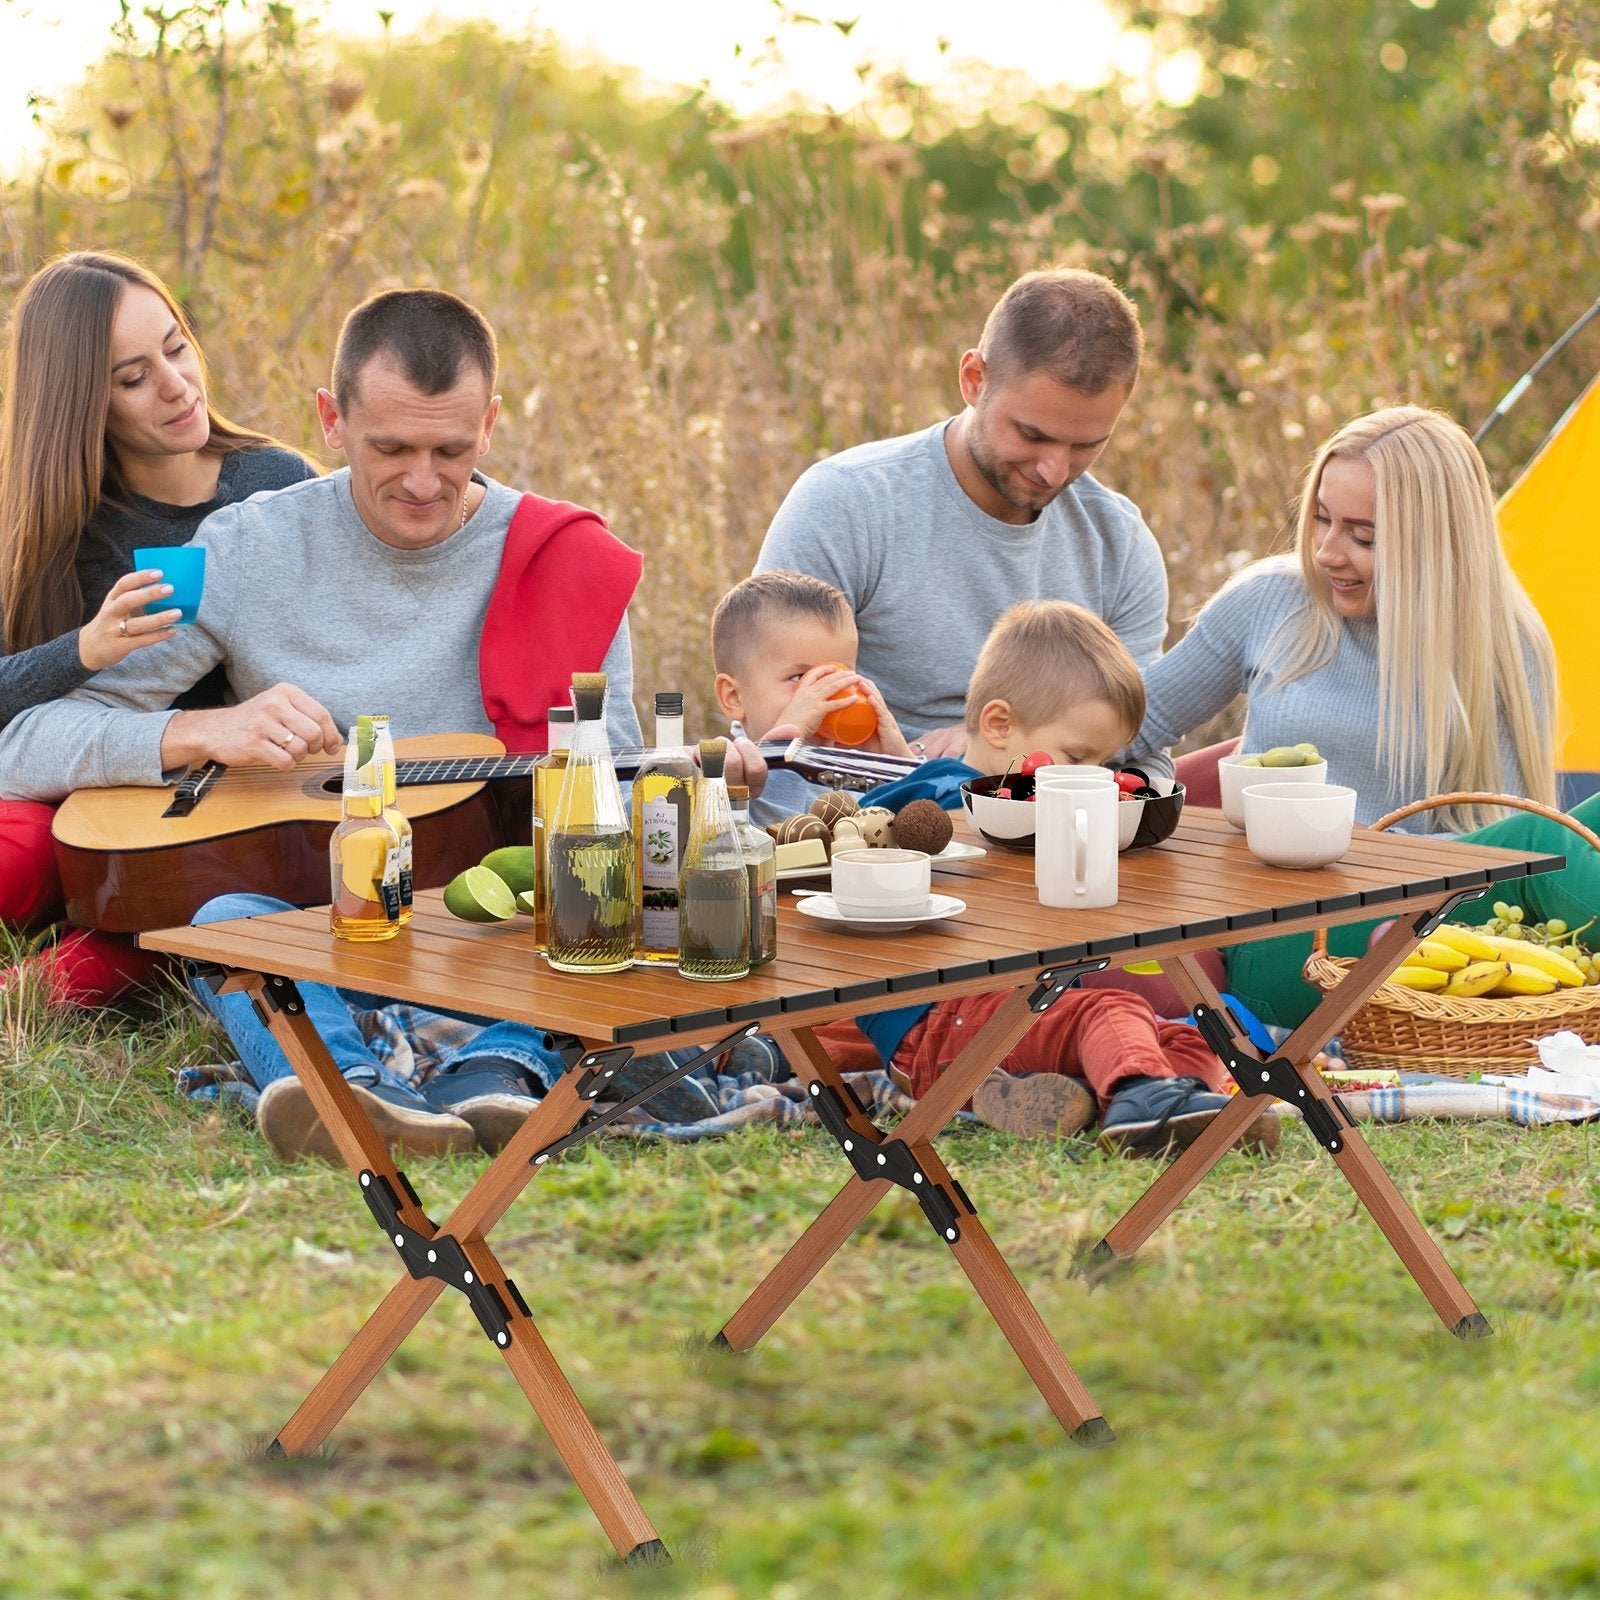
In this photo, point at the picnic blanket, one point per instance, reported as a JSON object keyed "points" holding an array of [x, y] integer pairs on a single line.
{"points": [[1420, 1095]]}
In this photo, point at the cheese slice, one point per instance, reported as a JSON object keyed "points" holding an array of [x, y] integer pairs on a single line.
{"points": [[802, 853]]}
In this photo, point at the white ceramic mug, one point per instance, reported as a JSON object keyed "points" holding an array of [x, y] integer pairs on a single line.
{"points": [[1075, 848], [1234, 778], [882, 883], [1298, 824], [1056, 773]]}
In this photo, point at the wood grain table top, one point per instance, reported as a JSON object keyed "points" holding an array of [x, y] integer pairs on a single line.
{"points": [[1200, 889]]}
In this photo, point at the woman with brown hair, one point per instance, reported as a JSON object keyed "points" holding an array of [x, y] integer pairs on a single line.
{"points": [[108, 443]]}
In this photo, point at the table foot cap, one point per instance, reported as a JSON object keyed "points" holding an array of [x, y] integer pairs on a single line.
{"points": [[276, 1452], [720, 1341], [1472, 1328], [652, 1553], [1092, 1433], [1100, 1254]]}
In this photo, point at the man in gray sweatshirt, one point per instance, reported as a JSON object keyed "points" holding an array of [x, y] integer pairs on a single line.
{"points": [[933, 535], [364, 590]]}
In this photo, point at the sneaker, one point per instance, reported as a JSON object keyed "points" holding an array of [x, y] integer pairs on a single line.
{"points": [[290, 1124], [1160, 1116], [492, 1094], [1035, 1105]]}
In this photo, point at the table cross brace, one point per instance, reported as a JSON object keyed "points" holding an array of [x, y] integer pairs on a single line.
{"points": [[1257, 1075], [1429, 920], [439, 1256], [599, 1067]]}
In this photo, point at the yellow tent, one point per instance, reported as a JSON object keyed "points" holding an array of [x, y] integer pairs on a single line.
{"points": [[1550, 527]]}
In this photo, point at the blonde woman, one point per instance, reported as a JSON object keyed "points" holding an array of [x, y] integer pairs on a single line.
{"points": [[1396, 638], [108, 442]]}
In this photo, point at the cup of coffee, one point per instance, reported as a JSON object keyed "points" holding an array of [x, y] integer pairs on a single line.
{"points": [[184, 567], [1298, 824], [882, 883], [1075, 847]]}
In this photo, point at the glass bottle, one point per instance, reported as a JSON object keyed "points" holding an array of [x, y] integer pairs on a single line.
{"points": [[363, 856], [663, 807], [548, 771], [590, 918], [714, 899], [383, 762], [761, 869]]}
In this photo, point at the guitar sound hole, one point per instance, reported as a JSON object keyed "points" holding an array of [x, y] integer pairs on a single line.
{"points": [[326, 785]]}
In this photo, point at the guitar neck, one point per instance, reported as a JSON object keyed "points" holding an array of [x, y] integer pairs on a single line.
{"points": [[846, 769]]}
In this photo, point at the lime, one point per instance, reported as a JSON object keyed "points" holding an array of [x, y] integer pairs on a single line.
{"points": [[514, 864], [528, 905], [366, 740], [479, 895]]}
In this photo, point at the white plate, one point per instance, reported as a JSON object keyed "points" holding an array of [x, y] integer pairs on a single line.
{"points": [[825, 909], [955, 851]]}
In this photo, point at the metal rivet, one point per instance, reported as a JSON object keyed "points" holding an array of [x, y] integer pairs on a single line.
{"points": [[950, 1233], [849, 1145], [466, 1277], [366, 1180], [916, 1177], [433, 1255], [501, 1339], [883, 1160], [539, 1160], [816, 1088], [1266, 1077], [399, 1240]]}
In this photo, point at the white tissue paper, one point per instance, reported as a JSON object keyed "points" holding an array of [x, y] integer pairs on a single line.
{"points": [[1566, 1066]]}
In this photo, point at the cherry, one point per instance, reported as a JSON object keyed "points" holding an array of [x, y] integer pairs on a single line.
{"points": [[1034, 760]]}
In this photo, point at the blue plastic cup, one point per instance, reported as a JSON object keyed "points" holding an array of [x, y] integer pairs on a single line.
{"points": [[184, 567]]}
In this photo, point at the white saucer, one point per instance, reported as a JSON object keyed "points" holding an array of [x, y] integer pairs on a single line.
{"points": [[826, 909], [956, 850]]}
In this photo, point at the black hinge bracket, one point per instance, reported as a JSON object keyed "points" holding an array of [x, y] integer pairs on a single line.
{"points": [[1261, 1075], [439, 1256], [873, 1158], [1429, 920], [1055, 981], [598, 1067], [277, 994]]}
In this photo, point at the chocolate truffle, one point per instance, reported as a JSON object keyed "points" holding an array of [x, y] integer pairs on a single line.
{"points": [[923, 825], [833, 806], [876, 824], [793, 829]]}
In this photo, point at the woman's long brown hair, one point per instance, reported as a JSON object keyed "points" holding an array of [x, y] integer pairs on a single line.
{"points": [[55, 468]]}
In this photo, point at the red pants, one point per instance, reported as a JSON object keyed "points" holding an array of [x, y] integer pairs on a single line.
{"points": [[1101, 1035], [84, 968]]}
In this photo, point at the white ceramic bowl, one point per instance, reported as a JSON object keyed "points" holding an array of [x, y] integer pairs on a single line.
{"points": [[1298, 824], [1235, 779]]}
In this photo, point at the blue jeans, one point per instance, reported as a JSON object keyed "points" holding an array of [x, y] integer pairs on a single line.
{"points": [[331, 1011]]}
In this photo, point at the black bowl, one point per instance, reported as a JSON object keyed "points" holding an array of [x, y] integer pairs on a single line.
{"points": [[1009, 824]]}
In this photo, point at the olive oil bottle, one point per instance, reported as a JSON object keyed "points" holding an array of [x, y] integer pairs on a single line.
{"points": [[714, 901]]}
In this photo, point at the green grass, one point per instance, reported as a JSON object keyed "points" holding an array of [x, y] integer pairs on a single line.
{"points": [[1292, 1419]]}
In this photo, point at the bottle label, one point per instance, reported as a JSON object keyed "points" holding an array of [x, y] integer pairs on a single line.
{"points": [[659, 867], [389, 884], [405, 870]]}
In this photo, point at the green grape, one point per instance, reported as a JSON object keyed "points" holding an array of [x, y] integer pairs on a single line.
{"points": [[1570, 951], [1515, 931], [1514, 913], [1502, 910], [1555, 926]]}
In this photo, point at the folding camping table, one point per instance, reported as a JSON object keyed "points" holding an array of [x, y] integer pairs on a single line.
{"points": [[1199, 890]]}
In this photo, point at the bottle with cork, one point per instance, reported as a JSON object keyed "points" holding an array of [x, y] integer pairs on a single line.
{"points": [[663, 807], [590, 849], [714, 898], [761, 870], [548, 772]]}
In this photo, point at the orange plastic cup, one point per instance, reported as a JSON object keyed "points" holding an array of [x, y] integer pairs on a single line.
{"points": [[851, 724]]}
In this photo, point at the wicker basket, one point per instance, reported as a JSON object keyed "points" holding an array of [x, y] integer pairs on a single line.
{"points": [[1414, 1030]]}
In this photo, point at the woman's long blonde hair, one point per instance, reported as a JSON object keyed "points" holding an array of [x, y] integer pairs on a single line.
{"points": [[55, 468], [1460, 645]]}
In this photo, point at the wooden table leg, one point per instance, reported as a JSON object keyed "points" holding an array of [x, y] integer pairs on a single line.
{"points": [[973, 1249], [1374, 1188], [853, 1204], [533, 1366]]}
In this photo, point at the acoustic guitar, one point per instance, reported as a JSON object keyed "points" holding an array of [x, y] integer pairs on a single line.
{"points": [[135, 858]]}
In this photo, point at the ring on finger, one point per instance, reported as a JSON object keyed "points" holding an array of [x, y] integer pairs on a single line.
{"points": [[287, 740], [122, 627]]}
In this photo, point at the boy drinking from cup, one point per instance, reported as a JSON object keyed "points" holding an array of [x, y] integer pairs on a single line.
{"points": [[784, 648], [1053, 678]]}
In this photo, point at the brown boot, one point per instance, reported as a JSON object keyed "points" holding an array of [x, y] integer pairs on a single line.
{"points": [[1039, 1105]]}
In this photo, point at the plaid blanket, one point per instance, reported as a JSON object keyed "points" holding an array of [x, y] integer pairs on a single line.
{"points": [[1420, 1095]]}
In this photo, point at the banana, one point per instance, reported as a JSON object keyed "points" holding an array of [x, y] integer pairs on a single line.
{"points": [[1472, 944], [1525, 980], [1479, 978], [1519, 952], [1410, 977], [1436, 953]]}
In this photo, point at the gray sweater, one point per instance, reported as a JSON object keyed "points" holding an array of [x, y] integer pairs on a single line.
{"points": [[298, 591], [105, 553], [1335, 707], [927, 573]]}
